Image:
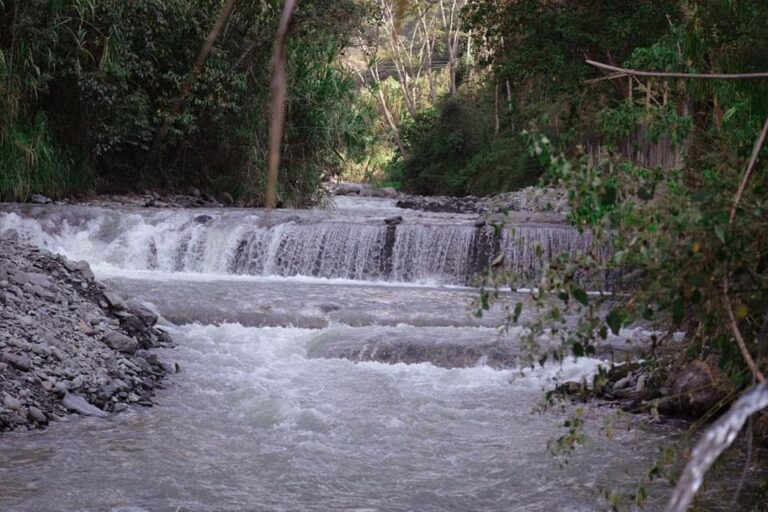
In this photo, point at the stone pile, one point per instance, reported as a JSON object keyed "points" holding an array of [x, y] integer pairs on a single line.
{"points": [[193, 199], [67, 344], [360, 189], [530, 199]]}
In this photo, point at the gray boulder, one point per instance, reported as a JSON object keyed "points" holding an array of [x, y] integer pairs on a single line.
{"points": [[80, 405], [40, 199], [115, 301], [120, 342], [144, 314]]}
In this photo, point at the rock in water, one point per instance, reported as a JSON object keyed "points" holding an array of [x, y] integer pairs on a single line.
{"points": [[37, 415], [227, 198], [77, 403], [145, 314], [40, 199]]}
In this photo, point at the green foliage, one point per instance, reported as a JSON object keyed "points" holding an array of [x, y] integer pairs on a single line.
{"points": [[441, 143], [673, 245], [31, 161], [453, 151], [105, 74], [539, 46], [662, 238], [535, 51], [551, 39], [500, 166]]}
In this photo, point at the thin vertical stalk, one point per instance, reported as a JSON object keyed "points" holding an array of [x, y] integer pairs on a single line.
{"points": [[279, 93]]}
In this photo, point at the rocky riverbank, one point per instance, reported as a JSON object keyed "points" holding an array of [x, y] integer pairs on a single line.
{"points": [[193, 199], [67, 344], [527, 200], [530, 199]]}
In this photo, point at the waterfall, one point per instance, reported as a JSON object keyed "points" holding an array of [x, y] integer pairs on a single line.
{"points": [[354, 244], [440, 253]]}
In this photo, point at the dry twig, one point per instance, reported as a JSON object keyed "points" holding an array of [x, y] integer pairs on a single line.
{"points": [[715, 440]]}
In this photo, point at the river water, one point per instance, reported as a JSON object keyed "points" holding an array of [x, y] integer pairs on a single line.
{"points": [[264, 414]]}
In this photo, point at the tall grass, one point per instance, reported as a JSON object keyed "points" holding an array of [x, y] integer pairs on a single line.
{"points": [[31, 162]]}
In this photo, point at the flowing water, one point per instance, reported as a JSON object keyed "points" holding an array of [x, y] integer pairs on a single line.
{"points": [[265, 415]]}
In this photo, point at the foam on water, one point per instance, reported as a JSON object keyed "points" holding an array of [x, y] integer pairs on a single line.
{"points": [[251, 423]]}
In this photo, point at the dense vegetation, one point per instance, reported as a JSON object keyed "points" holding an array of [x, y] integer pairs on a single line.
{"points": [[86, 85], [694, 248], [671, 174], [652, 164]]}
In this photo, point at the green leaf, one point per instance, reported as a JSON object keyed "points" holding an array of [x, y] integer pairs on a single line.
{"points": [[678, 310], [580, 295], [518, 310], [720, 233], [614, 319]]}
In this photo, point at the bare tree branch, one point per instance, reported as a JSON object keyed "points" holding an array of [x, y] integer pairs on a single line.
{"points": [[726, 280], [658, 74], [749, 170], [715, 440], [192, 77], [737, 332]]}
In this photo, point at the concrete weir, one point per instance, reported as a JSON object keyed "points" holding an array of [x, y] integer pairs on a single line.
{"points": [[362, 244]]}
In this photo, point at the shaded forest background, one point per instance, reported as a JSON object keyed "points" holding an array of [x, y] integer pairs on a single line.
{"points": [[428, 95], [85, 86]]}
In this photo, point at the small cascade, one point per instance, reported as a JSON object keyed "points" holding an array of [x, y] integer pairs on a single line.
{"points": [[333, 250], [439, 253], [357, 245], [525, 248]]}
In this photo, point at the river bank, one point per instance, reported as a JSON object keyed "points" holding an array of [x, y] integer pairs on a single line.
{"points": [[527, 200], [67, 344]]}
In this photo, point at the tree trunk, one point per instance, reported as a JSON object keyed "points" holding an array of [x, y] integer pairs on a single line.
{"points": [[279, 93]]}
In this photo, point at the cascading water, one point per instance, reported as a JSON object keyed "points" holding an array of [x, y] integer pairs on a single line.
{"points": [[336, 244], [266, 415]]}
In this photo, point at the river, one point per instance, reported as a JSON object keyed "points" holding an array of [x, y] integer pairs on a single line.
{"points": [[265, 415]]}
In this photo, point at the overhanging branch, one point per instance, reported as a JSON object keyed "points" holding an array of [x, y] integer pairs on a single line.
{"points": [[620, 72]]}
